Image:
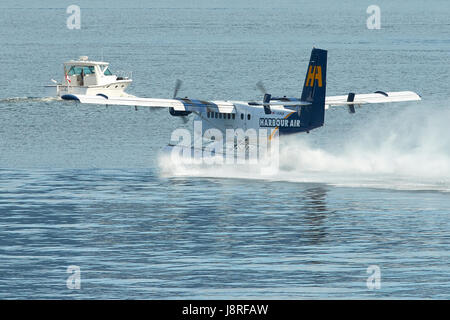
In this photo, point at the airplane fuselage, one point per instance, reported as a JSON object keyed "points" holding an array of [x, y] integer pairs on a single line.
{"points": [[248, 116]]}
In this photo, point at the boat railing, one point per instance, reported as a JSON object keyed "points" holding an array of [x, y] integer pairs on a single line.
{"points": [[124, 75]]}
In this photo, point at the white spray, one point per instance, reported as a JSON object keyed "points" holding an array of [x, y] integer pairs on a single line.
{"points": [[405, 149]]}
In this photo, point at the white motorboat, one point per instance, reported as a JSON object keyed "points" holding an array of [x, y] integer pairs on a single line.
{"points": [[85, 77]]}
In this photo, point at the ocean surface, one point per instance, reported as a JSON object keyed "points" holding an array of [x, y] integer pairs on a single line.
{"points": [[85, 186]]}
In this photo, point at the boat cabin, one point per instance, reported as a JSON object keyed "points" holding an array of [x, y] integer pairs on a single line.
{"points": [[85, 73]]}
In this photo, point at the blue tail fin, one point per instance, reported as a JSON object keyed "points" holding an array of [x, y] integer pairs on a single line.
{"points": [[314, 90]]}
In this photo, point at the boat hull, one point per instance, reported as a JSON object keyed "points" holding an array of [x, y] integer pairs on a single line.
{"points": [[116, 89]]}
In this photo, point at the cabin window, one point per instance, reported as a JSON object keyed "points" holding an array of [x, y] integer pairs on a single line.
{"points": [[216, 115], [220, 116], [248, 116], [229, 116], [207, 114], [234, 116], [242, 116], [105, 70], [78, 69]]}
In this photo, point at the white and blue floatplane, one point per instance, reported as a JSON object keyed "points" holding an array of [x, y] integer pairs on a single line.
{"points": [[280, 115]]}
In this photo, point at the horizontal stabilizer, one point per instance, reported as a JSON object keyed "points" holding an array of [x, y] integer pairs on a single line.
{"points": [[294, 103], [377, 97]]}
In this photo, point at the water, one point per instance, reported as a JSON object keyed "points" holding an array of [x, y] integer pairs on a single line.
{"points": [[85, 185]]}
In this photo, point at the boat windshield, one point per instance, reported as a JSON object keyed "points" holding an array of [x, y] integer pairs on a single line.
{"points": [[77, 70], [106, 71]]}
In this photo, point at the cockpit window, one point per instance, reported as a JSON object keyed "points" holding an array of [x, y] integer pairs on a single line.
{"points": [[77, 70]]}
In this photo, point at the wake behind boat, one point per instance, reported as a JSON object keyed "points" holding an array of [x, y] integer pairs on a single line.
{"points": [[86, 77]]}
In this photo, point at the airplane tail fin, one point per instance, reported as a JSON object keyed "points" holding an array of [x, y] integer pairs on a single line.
{"points": [[314, 90]]}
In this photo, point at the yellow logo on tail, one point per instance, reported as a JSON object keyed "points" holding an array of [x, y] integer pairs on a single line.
{"points": [[314, 74]]}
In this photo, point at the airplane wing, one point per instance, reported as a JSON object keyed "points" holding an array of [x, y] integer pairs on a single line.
{"points": [[376, 97], [193, 105], [178, 104]]}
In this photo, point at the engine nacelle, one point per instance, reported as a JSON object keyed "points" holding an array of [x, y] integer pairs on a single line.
{"points": [[179, 113]]}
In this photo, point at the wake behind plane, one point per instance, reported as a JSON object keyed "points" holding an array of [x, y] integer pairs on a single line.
{"points": [[281, 115]]}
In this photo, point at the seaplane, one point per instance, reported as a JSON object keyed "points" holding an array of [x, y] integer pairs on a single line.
{"points": [[88, 77], [277, 115]]}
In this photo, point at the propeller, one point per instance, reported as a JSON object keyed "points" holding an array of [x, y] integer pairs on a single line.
{"points": [[260, 87], [178, 84], [267, 97]]}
